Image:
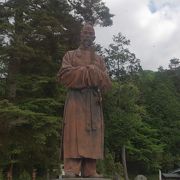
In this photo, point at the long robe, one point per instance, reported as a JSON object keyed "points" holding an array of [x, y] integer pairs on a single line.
{"points": [[85, 76]]}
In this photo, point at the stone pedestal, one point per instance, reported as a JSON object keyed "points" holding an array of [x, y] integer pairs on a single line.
{"points": [[79, 178]]}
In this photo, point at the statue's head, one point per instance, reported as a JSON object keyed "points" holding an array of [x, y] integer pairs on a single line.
{"points": [[87, 36]]}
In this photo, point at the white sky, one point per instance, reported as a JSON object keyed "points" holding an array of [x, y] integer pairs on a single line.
{"points": [[152, 26]]}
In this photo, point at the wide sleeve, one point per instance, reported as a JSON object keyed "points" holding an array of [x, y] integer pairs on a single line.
{"points": [[72, 76], [105, 83], [99, 76]]}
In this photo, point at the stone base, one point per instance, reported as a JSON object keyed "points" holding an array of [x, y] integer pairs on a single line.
{"points": [[79, 178]]}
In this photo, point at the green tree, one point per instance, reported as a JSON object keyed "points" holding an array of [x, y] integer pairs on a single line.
{"points": [[125, 115], [174, 63], [160, 96], [93, 11], [120, 61], [31, 56], [174, 72], [118, 58], [34, 37]]}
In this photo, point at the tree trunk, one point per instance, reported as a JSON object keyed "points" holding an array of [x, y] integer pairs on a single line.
{"points": [[34, 174], [11, 80], [14, 63], [124, 163], [10, 172], [48, 176]]}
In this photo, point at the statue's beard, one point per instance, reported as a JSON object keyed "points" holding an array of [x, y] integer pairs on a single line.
{"points": [[87, 43]]}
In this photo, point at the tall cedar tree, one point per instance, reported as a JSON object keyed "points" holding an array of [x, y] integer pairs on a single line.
{"points": [[34, 37], [124, 114]]}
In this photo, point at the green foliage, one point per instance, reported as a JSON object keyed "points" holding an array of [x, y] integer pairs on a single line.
{"points": [[38, 34], [146, 148], [125, 125], [1, 175], [24, 176], [34, 86], [174, 64], [161, 98], [28, 139], [93, 11], [46, 106], [108, 167], [125, 115], [120, 61], [2, 87]]}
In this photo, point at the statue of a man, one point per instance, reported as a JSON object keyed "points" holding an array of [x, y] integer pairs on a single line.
{"points": [[83, 72]]}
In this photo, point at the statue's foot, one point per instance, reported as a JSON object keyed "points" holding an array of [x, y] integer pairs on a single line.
{"points": [[96, 175]]}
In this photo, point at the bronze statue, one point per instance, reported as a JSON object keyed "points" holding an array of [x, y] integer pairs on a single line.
{"points": [[83, 72]]}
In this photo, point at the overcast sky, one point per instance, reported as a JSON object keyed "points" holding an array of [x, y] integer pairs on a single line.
{"points": [[152, 26]]}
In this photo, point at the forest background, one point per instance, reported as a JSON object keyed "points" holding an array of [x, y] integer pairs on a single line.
{"points": [[141, 112]]}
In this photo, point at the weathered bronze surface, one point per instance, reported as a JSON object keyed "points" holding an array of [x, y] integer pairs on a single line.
{"points": [[83, 72]]}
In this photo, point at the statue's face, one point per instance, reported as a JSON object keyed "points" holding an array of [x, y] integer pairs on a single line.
{"points": [[87, 36]]}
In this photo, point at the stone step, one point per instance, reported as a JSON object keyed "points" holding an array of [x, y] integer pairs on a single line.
{"points": [[79, 178]]}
